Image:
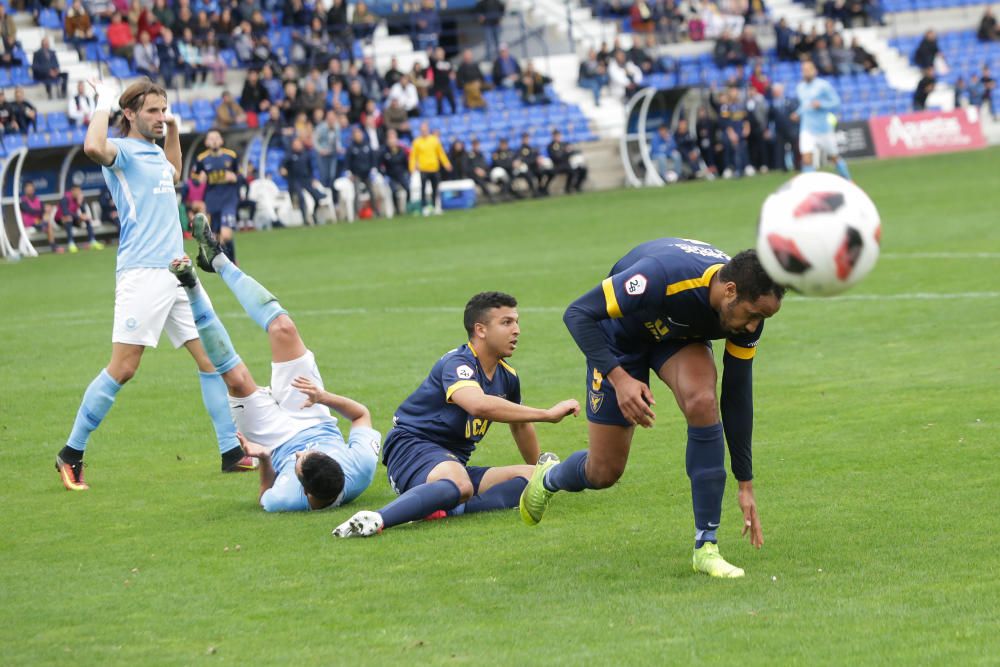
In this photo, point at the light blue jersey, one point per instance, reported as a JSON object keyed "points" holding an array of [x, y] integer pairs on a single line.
{"points": [[357, 457], [816, 121], [141, 181]]}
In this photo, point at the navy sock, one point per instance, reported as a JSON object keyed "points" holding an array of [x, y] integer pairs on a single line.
{"points": [[503, 496], [570, 475], [420, 501], [706, 458]]}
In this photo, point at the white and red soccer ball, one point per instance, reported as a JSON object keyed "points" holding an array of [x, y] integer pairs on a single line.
{"points": [[818, 234]]}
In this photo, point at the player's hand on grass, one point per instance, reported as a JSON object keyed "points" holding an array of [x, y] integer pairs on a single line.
{"points": [[635, 398], [751, 520], [564, 409], [252, 448], [312, 391]]}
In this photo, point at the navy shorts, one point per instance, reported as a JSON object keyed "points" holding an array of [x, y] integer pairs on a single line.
{"points": [[410, 458], [602, 402], [223, 217]]}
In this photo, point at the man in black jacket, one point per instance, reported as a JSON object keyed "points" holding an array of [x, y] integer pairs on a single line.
{"points": [[506, 168], [300, 168], [479, 169], [45, 69], [567, 160], [362, 165], [926, 51], [532, 159], [394, 163]]}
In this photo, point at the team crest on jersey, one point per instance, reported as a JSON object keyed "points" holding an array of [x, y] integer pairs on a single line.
{"points": [[635, 285], [464, 372], [596, 401]]}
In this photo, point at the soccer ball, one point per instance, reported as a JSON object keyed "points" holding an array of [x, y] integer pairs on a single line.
{"points": [[818, 234]]}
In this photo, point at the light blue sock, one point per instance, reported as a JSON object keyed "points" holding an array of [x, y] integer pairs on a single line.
{"points": [[842, 169], [213, 335], [261, 305], [97, 400], [215, 395], [570, 475]]}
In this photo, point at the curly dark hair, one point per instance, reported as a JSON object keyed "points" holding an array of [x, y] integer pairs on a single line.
{"points": [[322, 477], [752, 281], [483, 303]]}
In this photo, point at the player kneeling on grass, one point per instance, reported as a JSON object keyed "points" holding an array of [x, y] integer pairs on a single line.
{"points": [[436, 429], [304, 461], [659, 309]]}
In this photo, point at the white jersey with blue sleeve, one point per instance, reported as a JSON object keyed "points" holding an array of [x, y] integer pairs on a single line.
{"points": [[141, 181], [813, 120], [358, 458]]}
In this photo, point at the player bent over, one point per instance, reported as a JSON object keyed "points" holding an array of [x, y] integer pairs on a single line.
{"points": [[437, 427], [304, 461], [659, 309]]}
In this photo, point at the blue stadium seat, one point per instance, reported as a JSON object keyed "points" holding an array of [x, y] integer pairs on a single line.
{"points": [[57, 120], [120, 68]]}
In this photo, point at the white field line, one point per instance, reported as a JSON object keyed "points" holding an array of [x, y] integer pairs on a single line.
{"points": [[940, 255]]}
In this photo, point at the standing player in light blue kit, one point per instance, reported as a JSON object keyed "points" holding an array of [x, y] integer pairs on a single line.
{"points": [[305, 462], [141, 177], [817, 103]]}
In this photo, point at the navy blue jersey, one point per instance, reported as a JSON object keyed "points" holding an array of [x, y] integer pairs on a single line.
{"points": [[219, 195], [659, 291], [428, 412]]}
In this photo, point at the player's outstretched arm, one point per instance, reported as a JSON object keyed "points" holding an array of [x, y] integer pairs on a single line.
{"points": [[348, 407], [172, 143], [479, 404], [96, 144], [263, 456], [527, 442]]}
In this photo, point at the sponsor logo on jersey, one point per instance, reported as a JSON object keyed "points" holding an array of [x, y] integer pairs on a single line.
{"points": [[166, 183], [636, 285], [464, 372]]}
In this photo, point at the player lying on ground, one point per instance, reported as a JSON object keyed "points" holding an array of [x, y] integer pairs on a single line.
{"points": [[141, 178], [659, 309], [436, 429], [304, 461]]}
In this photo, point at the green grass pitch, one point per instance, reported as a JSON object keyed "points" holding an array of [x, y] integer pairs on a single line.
{"points": [[875, 457]]}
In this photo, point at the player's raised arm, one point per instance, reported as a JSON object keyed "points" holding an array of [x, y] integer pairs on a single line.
{"points": [[96, 144], [473, 400], [172, 142]]}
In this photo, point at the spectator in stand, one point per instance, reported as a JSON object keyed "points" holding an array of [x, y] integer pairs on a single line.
{"points": [[394, 164], [756, 12], [532, 86], [185, 19], [441, 84], [567, 160], [25, 113], [362, 167], [823, 58], [356, 101], [706, 131], [99, 9], [147, 23], [147, 57], [806, 42], [593, 75], [961, 93], [311, 99], [164, 13], [664, 154], [396, 119], [727, 51], [195, 72], [274, 86], [75, 211], [300, 168], [109, 212], [8, 124], [224, 26], [874, 13], [623, 77], [989, 85], [988, 27], [784, 41], [78, 27], [121, 39], [326, 142], [294, 14], [735, 127], [748, 44], [786, 130], [337, 25], [641, 18], [170, 58], [670, 20], [490, 13], [843, 58], [538, 168], [691, 165], [502, 172], [254, 96], [363, 22], [924, 88], [425, 26], [459, 161], [759, 81], [45, 69], [405, 92], [862, 58], [35, 214], [81, 106], [393, 74], [479, 169], [761, 138], [211, 58], [371, 82], [927, 51], [419, 75], [470, 80], [427, 156], [506, 70], [229, 114], [374, 134], [641, 57], [976, 91], [8, 38]]}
